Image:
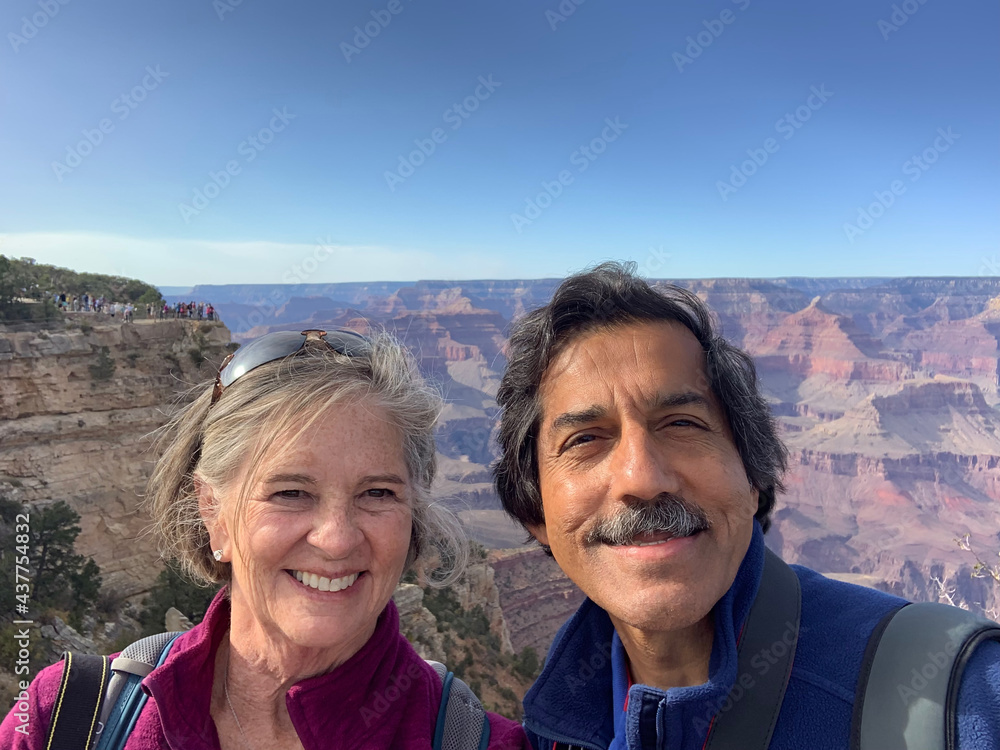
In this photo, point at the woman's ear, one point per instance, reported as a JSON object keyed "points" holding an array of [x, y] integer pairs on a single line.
{"points": [[212, 517]]}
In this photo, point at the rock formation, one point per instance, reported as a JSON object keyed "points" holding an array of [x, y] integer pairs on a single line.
{"points": [[79, 401]]}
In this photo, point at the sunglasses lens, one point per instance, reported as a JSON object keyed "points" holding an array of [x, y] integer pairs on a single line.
{"points": [[348, 342], [280, 344], [260, 351]]}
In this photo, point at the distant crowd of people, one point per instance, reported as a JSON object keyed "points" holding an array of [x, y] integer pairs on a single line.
{"points": [[196, 310], [126, 310], [88, 303]]}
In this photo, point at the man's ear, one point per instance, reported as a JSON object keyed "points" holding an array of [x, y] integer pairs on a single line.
{"points": [[540, 535], [215, 522], [539, 532]]}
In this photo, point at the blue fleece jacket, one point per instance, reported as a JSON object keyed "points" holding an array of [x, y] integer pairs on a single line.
{"points": [[580, 697]]}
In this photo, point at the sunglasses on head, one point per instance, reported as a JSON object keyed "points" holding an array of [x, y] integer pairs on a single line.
{"points": [[281, 344]]}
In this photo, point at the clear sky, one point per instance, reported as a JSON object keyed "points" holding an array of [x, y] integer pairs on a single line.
{"points": [[242, 141]]}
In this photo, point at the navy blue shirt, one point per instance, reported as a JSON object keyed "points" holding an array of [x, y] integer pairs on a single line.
{"points": [[584, 697]]}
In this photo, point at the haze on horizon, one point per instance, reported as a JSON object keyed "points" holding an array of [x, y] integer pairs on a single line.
{"points": [[226, 142]]}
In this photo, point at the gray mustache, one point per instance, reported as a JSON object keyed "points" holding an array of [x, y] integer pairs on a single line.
{"points": [[666, 513]]}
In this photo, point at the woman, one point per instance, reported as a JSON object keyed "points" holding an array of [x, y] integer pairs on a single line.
{"points": [[301, 480]]}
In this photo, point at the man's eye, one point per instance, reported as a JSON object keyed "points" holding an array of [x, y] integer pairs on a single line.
{"points": [[684, 423], [578, 440]]}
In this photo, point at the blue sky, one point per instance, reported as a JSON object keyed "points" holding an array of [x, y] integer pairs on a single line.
{"points": [[723, 138]]}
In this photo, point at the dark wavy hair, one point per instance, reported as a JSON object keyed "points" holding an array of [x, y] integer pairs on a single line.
{"points": [[611, 295]]}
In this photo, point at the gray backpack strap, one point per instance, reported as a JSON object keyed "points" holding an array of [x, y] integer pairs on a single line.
{"points": [[124, 698], [462, 722], [907, 692], [772, 627]]}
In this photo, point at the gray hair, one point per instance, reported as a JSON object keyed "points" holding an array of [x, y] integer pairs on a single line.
{"points": [[288, 395], [612, 295]]}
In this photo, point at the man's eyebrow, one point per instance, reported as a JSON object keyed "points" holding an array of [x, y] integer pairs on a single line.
{"points": [[681, 399], [576, 418], [594, 413]]}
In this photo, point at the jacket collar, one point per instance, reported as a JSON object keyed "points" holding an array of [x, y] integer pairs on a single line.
{"points": [[573, 700], [362, 703]]}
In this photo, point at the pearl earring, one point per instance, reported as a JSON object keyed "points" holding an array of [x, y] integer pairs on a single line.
{"points": [[218, 555]]}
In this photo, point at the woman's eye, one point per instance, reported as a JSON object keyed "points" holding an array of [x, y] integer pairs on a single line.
{"points": [[380, 492], [290, 494]]}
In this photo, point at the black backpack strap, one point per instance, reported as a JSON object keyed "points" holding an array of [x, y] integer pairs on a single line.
{"points": [[772, 627], [907, 692], [78, 702]]}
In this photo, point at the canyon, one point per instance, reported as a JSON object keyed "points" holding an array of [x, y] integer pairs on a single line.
{"points": [[885, 391]]}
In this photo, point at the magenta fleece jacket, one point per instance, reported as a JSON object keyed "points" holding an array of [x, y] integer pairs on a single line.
{"points": [[367, 703]]}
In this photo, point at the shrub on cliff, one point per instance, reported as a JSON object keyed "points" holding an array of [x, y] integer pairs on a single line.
{"points": [[19, 291], [173, 589], [527, 664], [23, 278], [104, 368]]}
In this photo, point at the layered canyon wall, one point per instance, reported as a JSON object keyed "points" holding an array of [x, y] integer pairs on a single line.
{"points": [[885, 391]]}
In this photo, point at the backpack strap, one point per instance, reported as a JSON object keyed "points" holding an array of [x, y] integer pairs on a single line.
{"points": [[907, 692], [78, 702], [125, 699], [99, 699], [772, 628], [462, 723]]}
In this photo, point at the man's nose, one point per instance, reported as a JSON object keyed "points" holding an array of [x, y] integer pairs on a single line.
{"points": [[641, 467], [336, 532]]}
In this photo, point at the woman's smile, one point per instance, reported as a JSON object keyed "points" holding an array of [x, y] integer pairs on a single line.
{"points": [[317, 582]]}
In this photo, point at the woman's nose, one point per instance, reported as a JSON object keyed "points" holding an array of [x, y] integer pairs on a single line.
{"points": [[336, 533]]}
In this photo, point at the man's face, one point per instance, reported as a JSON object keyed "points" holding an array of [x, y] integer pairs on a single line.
{"points": [[628, 419]]}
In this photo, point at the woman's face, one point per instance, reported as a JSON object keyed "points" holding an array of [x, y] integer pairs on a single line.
{"points": [[325, 532]]}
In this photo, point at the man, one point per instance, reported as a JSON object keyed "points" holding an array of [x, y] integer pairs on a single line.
{"points": [[636, 447]]}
